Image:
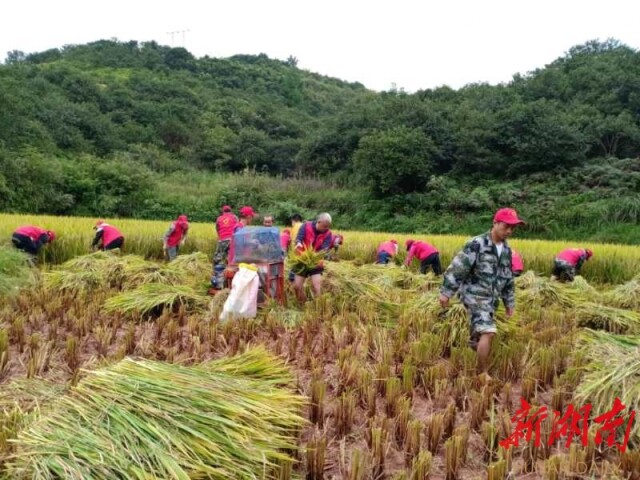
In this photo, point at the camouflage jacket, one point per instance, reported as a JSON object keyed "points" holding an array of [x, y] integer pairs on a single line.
{"points": [[480, 276]]}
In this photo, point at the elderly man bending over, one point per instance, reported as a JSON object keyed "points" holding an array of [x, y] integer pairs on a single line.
{"points": [[315, 235]]}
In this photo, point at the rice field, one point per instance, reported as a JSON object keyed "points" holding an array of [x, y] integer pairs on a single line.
{"points": [[114, 365], [611, 264]]}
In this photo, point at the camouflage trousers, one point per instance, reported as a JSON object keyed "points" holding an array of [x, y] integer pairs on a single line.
{"points": [[220, 261], [222, 252], [563, 271], [481, 321]]}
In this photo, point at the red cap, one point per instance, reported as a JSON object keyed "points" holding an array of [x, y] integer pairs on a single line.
{"points": [[394, 241], [52, 235], [226, 208], [589, 252], [247, 212], [508, 216], [99, 222], [409, 242]]}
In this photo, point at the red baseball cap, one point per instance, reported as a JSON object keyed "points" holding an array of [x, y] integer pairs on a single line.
{"points": [[394, 241], [248, 212], [409, 242], [226, 208], [508, 216], [52, 235], [589, 252]]}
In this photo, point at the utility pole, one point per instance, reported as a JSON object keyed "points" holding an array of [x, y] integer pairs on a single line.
{"points": [[183, 32]]}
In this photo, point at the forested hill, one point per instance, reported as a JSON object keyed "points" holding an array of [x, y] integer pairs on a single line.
{"points": [[139, 129]]}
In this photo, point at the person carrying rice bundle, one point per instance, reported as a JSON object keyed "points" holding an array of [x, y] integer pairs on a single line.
{"points": [[482, 274], [312, 237]]}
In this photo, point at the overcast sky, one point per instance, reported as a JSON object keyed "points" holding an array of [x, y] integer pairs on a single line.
{"points": [[410, 43]]}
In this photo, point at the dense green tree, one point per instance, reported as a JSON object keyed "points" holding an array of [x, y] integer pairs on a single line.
{"points": [[395, 161]]}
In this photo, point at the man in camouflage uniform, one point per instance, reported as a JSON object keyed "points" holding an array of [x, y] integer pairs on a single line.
{"points": [[481, 273]]}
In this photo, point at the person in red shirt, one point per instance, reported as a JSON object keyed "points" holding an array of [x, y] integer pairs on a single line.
{"points": [[285, 241], [517, 264], [107, 237], [225, 250], [568, 263], [386, 251], [426, 253], [317, 236], [175, 237], [225, 224], [31, 239]]}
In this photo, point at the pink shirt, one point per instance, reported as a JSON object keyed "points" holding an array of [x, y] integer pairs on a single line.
{"points": [[388, 247], [420, 250], [572, 255], [517, 265]]}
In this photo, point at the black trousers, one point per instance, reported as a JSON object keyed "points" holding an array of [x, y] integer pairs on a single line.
{"points": [[24, 243], [432, 260], [117, 243]]}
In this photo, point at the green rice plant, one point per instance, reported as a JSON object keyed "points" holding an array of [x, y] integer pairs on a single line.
{"points": [[316, 456], [5, 355], [146, 419], [421, 466], [453, 457], [497, 470], [435, 427], [152, 297], [15, 270]]}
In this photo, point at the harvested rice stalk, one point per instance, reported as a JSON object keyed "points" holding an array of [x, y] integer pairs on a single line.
{"points": [[145, 419], [305, 261], [626, 295], [155, 297], [612, 371], [615, 320]]}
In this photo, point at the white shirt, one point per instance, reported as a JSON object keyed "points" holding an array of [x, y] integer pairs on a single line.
{"points": [[499, 248]]}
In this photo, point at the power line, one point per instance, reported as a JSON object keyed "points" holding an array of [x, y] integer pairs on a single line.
{"points": [[183, 32]]}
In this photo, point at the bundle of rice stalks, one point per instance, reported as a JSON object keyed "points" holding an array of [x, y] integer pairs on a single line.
{"points": [[453, 326], [613, 371], [615, 320], [305, 261], [142, 273], [256, 363], [21, 402], [154, 297], [526, 280], [626, 295], [29, 393], [543, 292], [15, 271], [197, 264], [343, 279], [88, 272], [145, 419], [583, 287]]}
